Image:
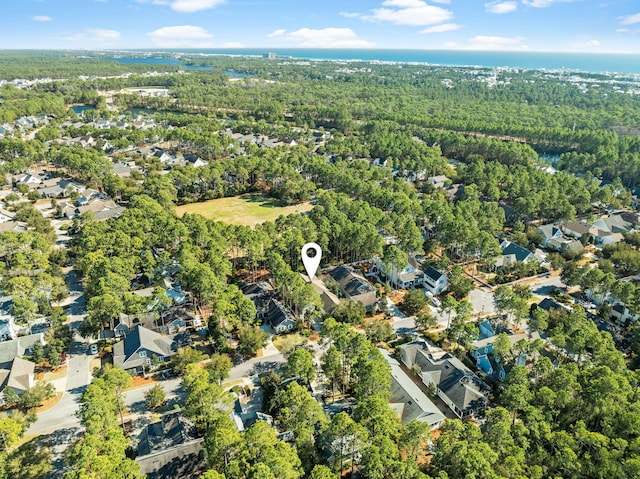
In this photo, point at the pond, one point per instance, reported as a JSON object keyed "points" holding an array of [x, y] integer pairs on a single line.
{"points": [[78, 109]]}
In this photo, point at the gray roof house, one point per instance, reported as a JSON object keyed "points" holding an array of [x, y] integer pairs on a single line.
{"points": [[355, 287], [170, 448], [548, 232], [139, 346], [279, 317], [408, 400], [461, 390], [614, 224], [19, 376], [18, 348], [260, 293]]}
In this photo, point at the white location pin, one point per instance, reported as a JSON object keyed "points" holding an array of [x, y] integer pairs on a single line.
{"points": [[311, 263]]}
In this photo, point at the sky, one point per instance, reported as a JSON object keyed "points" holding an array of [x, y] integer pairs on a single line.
{"points": [[517, 25]]}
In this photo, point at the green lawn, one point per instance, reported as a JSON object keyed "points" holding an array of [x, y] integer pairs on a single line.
{"points": [[247, 210], [288, 342]]}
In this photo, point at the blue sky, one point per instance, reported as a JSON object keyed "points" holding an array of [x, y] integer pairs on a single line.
{"points": [[534, 25]]}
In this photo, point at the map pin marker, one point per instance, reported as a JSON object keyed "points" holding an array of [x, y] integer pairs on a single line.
{"points": [[311, 263]]}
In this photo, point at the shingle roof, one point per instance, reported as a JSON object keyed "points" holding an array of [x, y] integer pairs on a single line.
{"points": [[549, 231], [124, 352], [9, 350], [351, 282], [278, 314], [452, 377], [416, 404], [21, 374], [518, 251]]}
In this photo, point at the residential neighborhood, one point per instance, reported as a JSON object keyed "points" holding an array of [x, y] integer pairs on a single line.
{"points": [[157, 318]]}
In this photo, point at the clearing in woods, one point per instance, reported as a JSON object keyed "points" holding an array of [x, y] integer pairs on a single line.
{"points": [[247, 210]]}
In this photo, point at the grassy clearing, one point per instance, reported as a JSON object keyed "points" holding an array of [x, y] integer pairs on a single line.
{"points": [[246, 210], [288, 342]]}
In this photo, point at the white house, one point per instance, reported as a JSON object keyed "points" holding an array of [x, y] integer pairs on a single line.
{"points": [[434, 281]]}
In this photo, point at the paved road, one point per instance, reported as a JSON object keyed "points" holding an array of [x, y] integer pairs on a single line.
{"points": [[256, 366], [62, 415], [482, 301]]}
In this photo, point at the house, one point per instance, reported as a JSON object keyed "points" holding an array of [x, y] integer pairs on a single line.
{"points": [[603, 238], [614, 224], [622, 315], [261, 294], [485, 330], [32, 181], [7, 329], [355, 287], [564, 245], [487, 362], [513, 253], [18, 348], [135, 351], [18, 376], [381, 162], [170, 448], [548, 232], [408, 400], [279, 317], [329, 300], [578, 229], [438, 181], [121, 169], [461, 390], [195, 161], [409, 277], [107, 214], [548, 304], [434, 281]]}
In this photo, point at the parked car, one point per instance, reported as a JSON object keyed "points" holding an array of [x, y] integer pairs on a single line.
{"points": [[93, 349]]}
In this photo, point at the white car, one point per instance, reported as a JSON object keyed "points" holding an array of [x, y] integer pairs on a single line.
{"points": [[93, 349]]}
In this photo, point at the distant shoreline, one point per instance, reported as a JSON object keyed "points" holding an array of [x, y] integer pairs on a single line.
{"points": [[614, 63]]}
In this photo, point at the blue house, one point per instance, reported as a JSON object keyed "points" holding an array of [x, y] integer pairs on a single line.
{"points": [[487, 362]]}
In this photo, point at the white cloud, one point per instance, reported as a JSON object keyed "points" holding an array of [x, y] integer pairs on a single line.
{"points": [[446, 2], [501, 7], [181, 36], [322, 38], [186, 6], [350, 14], [633, 31], [96, 36], [630, 19], [544, 3], [41, 18], [445, 27], [409, 12], [277, 33], [190, 6]]}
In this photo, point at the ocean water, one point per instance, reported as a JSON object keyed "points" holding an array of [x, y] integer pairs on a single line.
{"points": [[587, 62]]}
